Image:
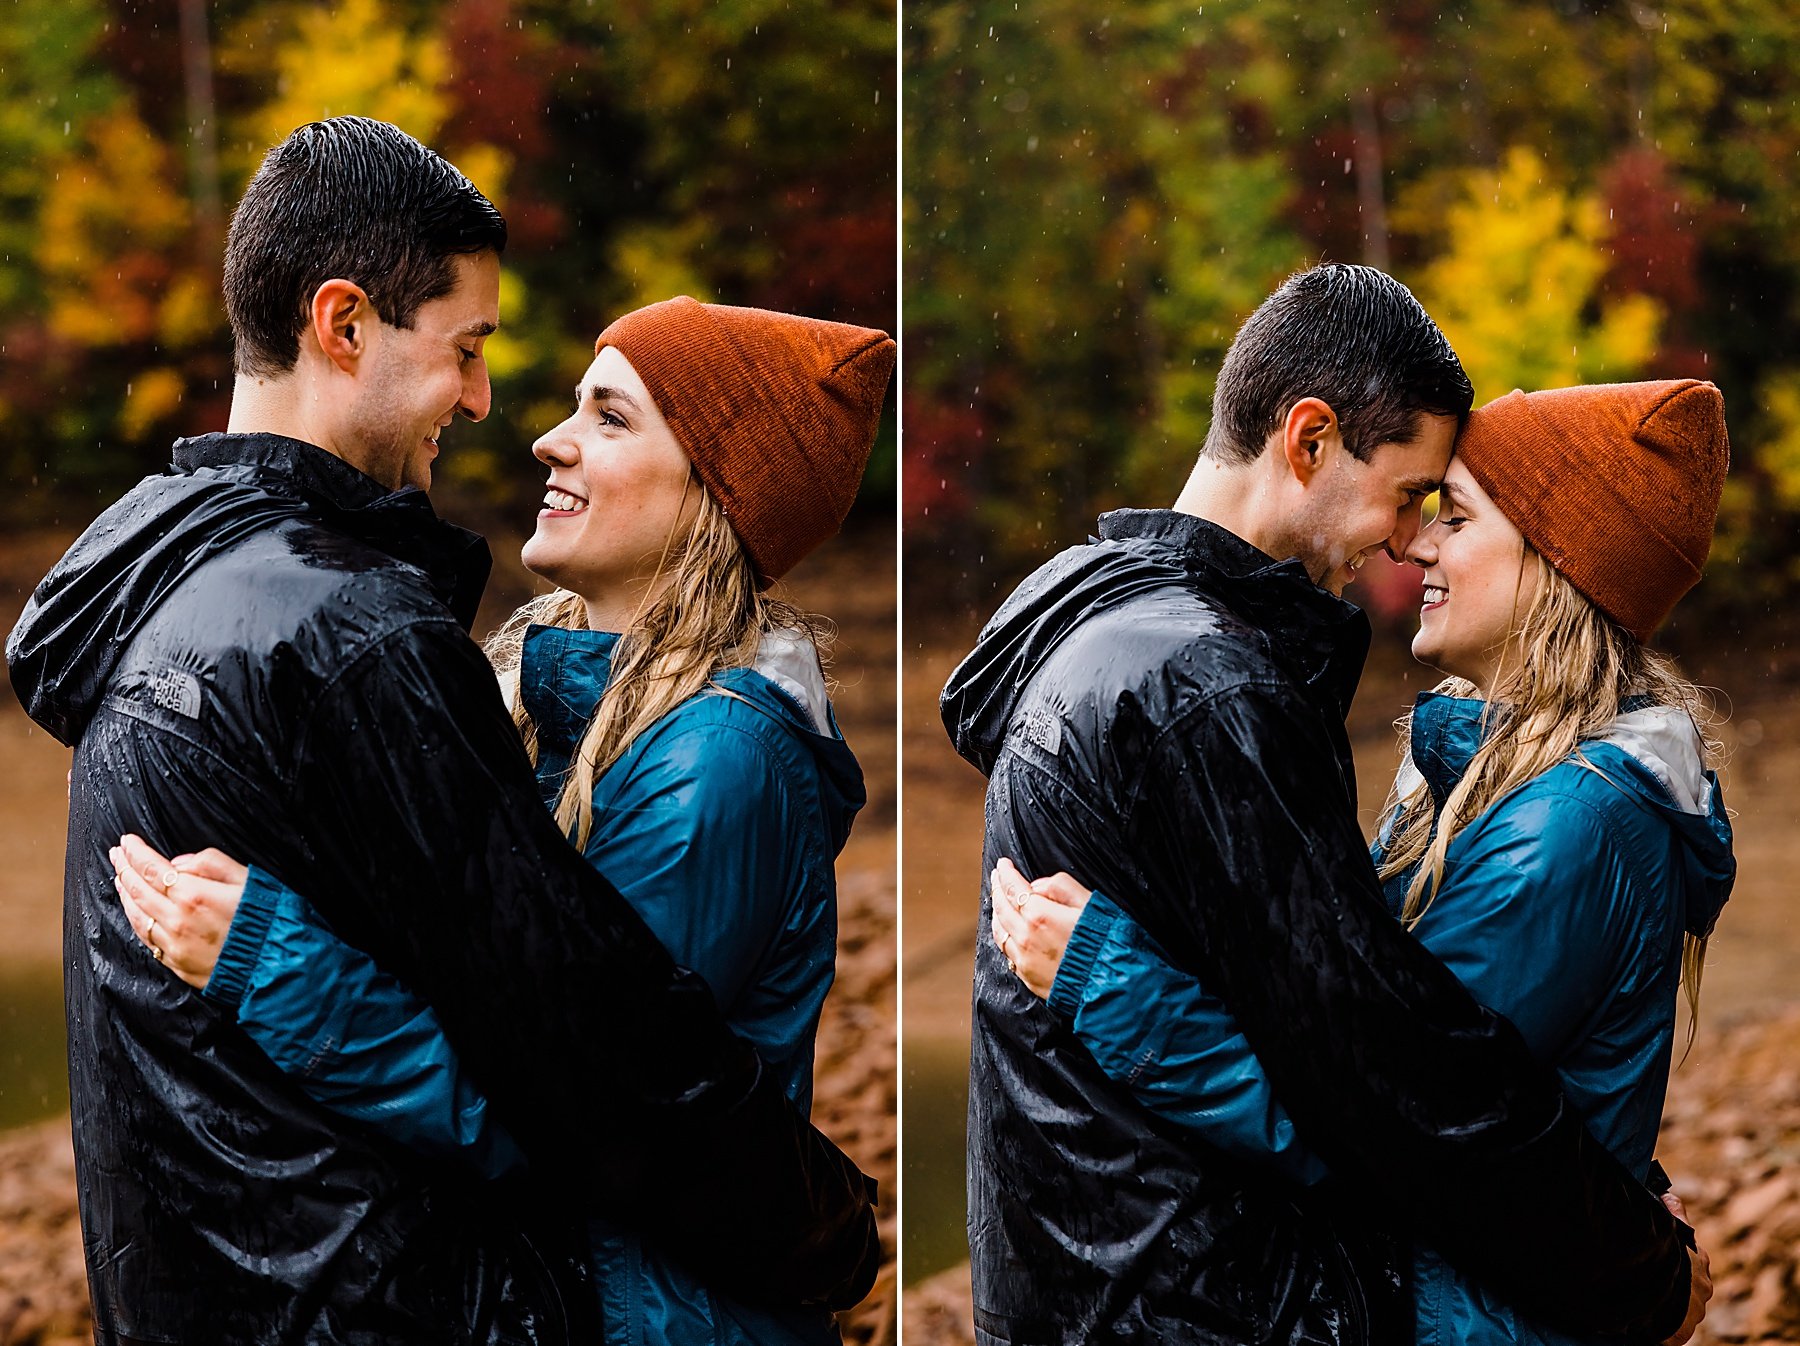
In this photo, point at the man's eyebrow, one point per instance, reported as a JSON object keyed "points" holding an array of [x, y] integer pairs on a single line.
{"points": [[478, 329], [601, 393], [1421, 485]]}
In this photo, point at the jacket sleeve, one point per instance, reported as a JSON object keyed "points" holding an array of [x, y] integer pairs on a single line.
{"points": [[1390, 1069], [1152, 1029], [351, 1036], [696, 834], [607, 1062]]}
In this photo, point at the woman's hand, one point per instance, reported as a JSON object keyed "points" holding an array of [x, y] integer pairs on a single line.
{"points": [[1700, 1286], [179, 908], [1032, 922]]}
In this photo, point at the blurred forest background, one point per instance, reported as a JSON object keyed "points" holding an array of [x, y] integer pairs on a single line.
{"points": [[1094, 198], [739, 150]]}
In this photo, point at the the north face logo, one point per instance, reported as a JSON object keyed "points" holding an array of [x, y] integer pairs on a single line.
{"points": [[178, 690], [1044, 728]]}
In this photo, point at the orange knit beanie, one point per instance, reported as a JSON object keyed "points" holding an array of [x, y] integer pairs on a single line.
{"points": [[776, 412], [1616, 485]]}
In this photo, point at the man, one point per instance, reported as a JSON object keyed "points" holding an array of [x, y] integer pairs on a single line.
{"points": [[1161, 712], [266, 649]]}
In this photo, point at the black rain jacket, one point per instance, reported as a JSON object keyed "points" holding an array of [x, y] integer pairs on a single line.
{"points": [[265, 650], [1161, 713]]}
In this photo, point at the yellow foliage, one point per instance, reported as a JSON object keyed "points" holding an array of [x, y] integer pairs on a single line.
{"points": [[151, 396], [111, 233], [192, 311], [517, 345], [652, 262], [350, 57], [1780, 453], [1514, 289], [487, 166]]}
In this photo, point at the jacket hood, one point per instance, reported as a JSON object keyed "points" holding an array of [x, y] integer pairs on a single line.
{"points": [[563, 674], [1656, 758], [1323, 639], [218, 490]]}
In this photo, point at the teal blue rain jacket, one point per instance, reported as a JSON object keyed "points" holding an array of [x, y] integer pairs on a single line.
{"points": [[720, 825], [1562, 907]]}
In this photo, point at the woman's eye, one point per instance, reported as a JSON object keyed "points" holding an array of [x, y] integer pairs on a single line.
{"points": [[467, 354], [613, 419], [1456, 521]]}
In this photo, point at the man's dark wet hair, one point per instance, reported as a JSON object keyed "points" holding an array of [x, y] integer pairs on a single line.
{"points": [[1350, 335], [352, 199]]}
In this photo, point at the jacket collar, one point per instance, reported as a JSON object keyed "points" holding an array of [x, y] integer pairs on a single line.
{"points": [[562, 674], [1319, 637], [1446, 732], [401, 523]]}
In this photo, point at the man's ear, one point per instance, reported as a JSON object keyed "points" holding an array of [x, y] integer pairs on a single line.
{"points": [[340, 315], [1311, 428]]}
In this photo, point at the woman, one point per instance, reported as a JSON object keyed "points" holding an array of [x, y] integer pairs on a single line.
{"points": [[679, 723], [1554, 833]]}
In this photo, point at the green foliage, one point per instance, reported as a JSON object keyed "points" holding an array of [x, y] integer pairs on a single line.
{"points": [[1095, 199], [49, 89], [742, 152]]}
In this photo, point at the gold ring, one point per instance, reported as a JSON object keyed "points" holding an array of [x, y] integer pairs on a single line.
{"points": [[156, 953], [150, 933], [1004, 936], [169, 877]]}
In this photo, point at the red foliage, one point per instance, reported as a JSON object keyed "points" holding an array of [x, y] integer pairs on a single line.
{"points": [[498, 93], [1655, 241], [1388, 592], [837, 263], [940, 446], [1323, 207]]}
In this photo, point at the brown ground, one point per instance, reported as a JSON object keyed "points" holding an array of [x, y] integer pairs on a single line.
{"points": [[1731, 1141], [43, 1291], [1732, 1130]]}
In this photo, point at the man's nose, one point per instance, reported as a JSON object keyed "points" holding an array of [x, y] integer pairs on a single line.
{"points": [[1405, 535], [478, 393]]}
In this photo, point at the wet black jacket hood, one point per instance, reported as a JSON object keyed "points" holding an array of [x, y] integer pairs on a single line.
{"points": [[1161, 714], [266, 651], [219, 490], [1322, 639]]}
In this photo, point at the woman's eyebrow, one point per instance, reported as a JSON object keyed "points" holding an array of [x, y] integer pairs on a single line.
{"points": [[1456, 500], [599, 392]]}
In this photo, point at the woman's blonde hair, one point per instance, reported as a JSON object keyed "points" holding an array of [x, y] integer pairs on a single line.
{"points": [[1566, 669], [710, 616]]}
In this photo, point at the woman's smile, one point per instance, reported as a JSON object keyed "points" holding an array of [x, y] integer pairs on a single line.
{"points": [[560, 503]]}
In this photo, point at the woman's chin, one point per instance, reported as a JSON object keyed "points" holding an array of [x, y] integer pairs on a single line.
{"points": [[1425, 651], [539, 557]]}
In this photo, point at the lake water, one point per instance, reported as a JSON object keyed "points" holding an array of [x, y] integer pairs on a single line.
{"points": [[934, 1100], [34, 1076]]}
